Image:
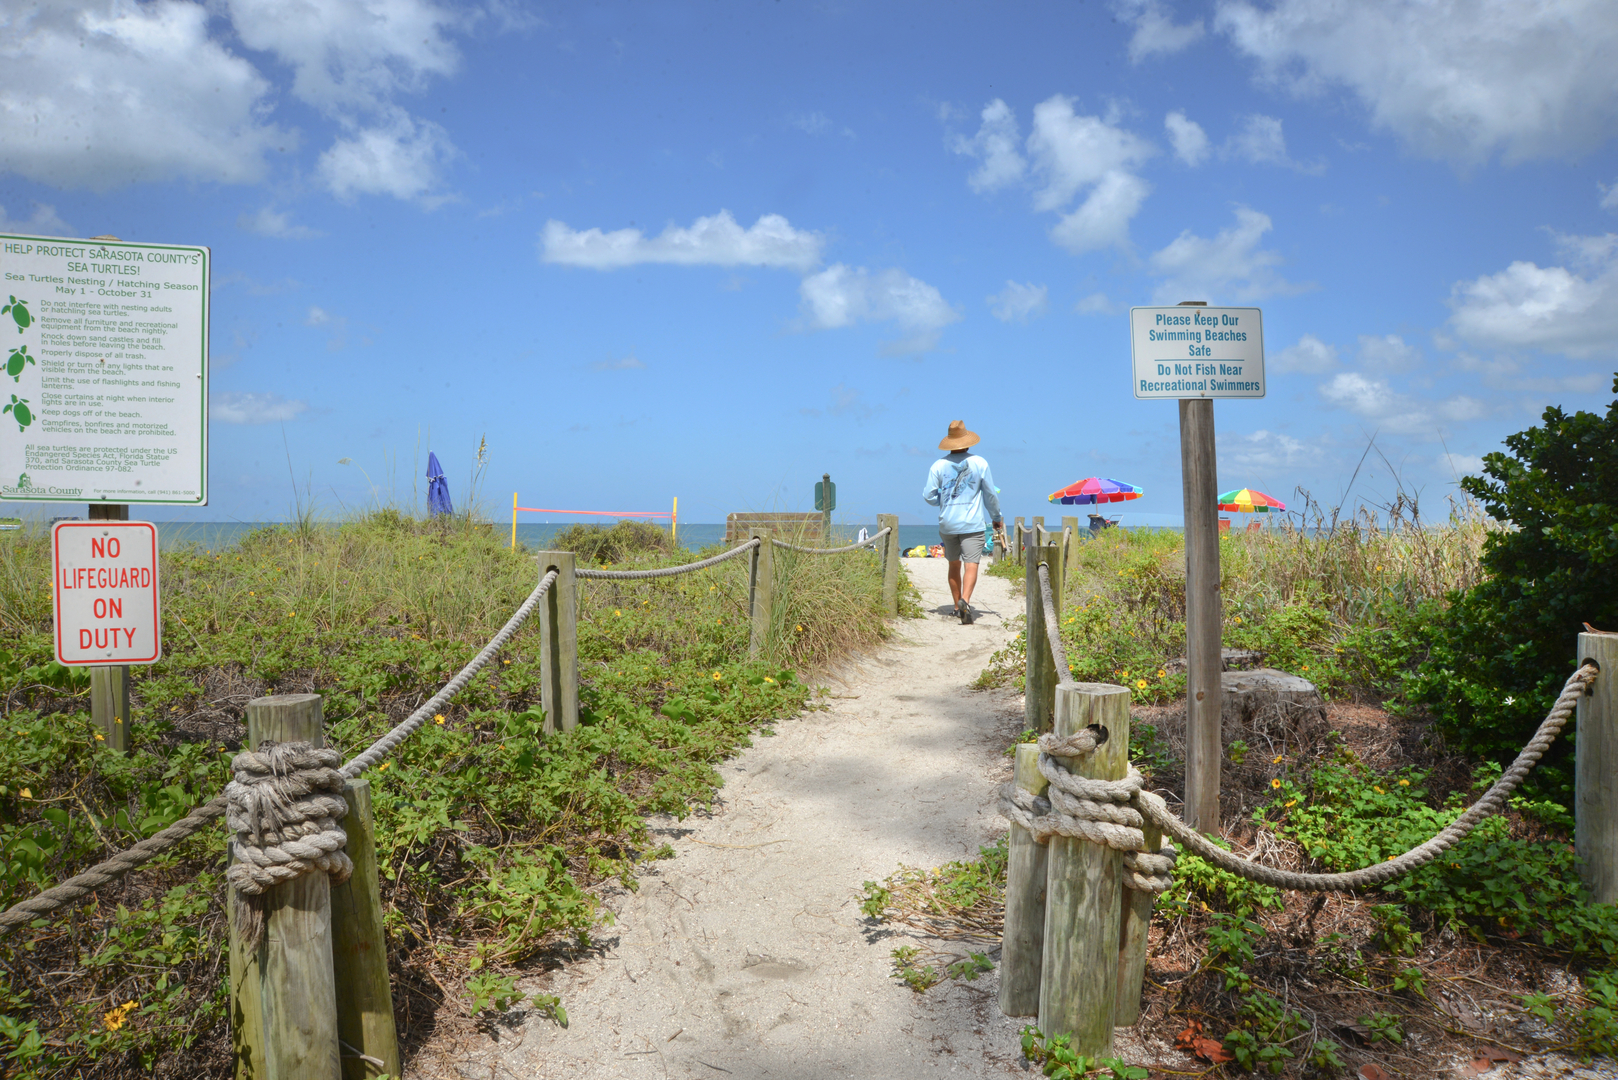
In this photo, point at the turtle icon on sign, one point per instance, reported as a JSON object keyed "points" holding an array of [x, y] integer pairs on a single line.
{"points": [[18, 310], [19, 411], [16, 361]]}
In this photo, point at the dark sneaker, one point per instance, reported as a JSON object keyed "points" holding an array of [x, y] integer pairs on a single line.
{"points": [[966, 613]]}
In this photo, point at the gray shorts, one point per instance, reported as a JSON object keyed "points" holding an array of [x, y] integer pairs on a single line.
{"points": [[962, 547]]}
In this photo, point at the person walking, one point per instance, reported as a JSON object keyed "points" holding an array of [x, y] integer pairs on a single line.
{"points": [[962, 488]]}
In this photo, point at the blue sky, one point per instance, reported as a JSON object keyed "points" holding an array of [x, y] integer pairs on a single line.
{"points": [[713, 250]]}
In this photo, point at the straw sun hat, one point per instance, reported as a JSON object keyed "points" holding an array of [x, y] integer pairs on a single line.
{"points": [[958, 438]]}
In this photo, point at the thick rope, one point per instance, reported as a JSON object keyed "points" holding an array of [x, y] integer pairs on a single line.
{"points": [[384, 746], [1053, 628], [833, 551], [284, 807], [1093, 810], [105, 873], [667, 571], [1492, 802]]}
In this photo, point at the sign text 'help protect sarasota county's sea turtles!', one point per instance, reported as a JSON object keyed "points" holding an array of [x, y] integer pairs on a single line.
{"points": [[1197, 352], [104, 585], [104, 392]]}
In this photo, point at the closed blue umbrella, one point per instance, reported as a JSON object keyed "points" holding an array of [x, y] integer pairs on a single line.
{"points": [[437, 488]]}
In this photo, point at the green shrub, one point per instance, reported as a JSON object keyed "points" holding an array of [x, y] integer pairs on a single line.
{"points": [[1506, 646]]}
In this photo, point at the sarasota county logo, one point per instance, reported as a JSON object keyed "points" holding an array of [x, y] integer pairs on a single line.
{"points": [[23, 483]]}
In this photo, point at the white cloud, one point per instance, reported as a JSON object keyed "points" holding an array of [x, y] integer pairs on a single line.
{"points": [[1569, 311], [1016, 302], [103, 93], [710, 241], [1309, 356], [402, 157], [1231, 266], [1155, 29], [811, 123], [1189, 140], [1452, 81], [1506, 373], [621, 363], [1067, 154], [44, 221], [1097, 304], [841, 296], [1260, 451], [1460, 465], [1388, 352], [350, 57], [1374, 400], [1070, 153], [241, 408], [996, 147], [1262, 142], [276, 224], [1609, 196]]}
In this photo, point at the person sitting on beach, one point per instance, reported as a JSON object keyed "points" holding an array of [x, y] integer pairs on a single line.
{"points": [[963, 490]]}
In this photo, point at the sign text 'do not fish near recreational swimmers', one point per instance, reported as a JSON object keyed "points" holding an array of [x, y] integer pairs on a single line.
{"points": [[1196, 352], [104, 392], [104, 588]]}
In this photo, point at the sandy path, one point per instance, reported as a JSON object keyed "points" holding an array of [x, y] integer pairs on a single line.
{"points": [[747, 954]]}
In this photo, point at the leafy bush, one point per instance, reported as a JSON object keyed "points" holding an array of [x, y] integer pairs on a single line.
{"points": [[1506, 645], [619, 542]]}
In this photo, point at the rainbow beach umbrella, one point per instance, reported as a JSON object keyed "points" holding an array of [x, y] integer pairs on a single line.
{"points": [[1096, 489], [1248, 501]]}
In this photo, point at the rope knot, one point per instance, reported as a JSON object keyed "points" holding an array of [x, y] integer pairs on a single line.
{"points": [[283, 806]]}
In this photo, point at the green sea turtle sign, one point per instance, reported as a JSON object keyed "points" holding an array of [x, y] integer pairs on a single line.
{"points": [[104, 392]]}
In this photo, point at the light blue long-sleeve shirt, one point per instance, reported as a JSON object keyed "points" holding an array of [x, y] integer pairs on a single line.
{"points": [[963, 490]]}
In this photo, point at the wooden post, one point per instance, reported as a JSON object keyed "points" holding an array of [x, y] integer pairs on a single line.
{"points": [[1203, 748], [1038, 527], [1079, 984], [1137, 920], [360, 951], [761, 591], [109, 704], [825, 510], [285, 992], [109, 684], [559, 643], [890, 562], [1041, 676], [1070, 540], [1595, 772], [1017, 542], [1022, 948]]}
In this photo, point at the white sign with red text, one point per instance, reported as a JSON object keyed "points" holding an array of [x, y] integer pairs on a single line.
{"points": [[104, 576]]}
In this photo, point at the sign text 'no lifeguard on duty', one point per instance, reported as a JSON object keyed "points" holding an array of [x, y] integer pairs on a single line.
{"points": [[1197, 352], [104, 392]]}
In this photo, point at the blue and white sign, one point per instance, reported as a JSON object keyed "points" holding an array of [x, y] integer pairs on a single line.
{"points": [[1197, 352]]}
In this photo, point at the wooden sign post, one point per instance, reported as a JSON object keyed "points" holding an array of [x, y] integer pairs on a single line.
{"points": [[1196, 356]]}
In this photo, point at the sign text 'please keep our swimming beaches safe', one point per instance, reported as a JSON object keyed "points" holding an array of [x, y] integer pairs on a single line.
{"points": [[1197, 352], [104, 392]]}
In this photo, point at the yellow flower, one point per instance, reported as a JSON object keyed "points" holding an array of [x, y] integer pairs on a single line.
{"points": [[384, 765], [250, 592], [1277, 759], [1290, 803], [1126, 674], [438, 718], [800, 628], [1378, 790], [505, 661], [118, 1015], [292, 614], [1161, 674], [1306, 667], [1404, 783], [620, 614], [768, 679], [1140, 683], [717, 675], [1379, 569], [25, 793], [1275, 783], [100, 737]]}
